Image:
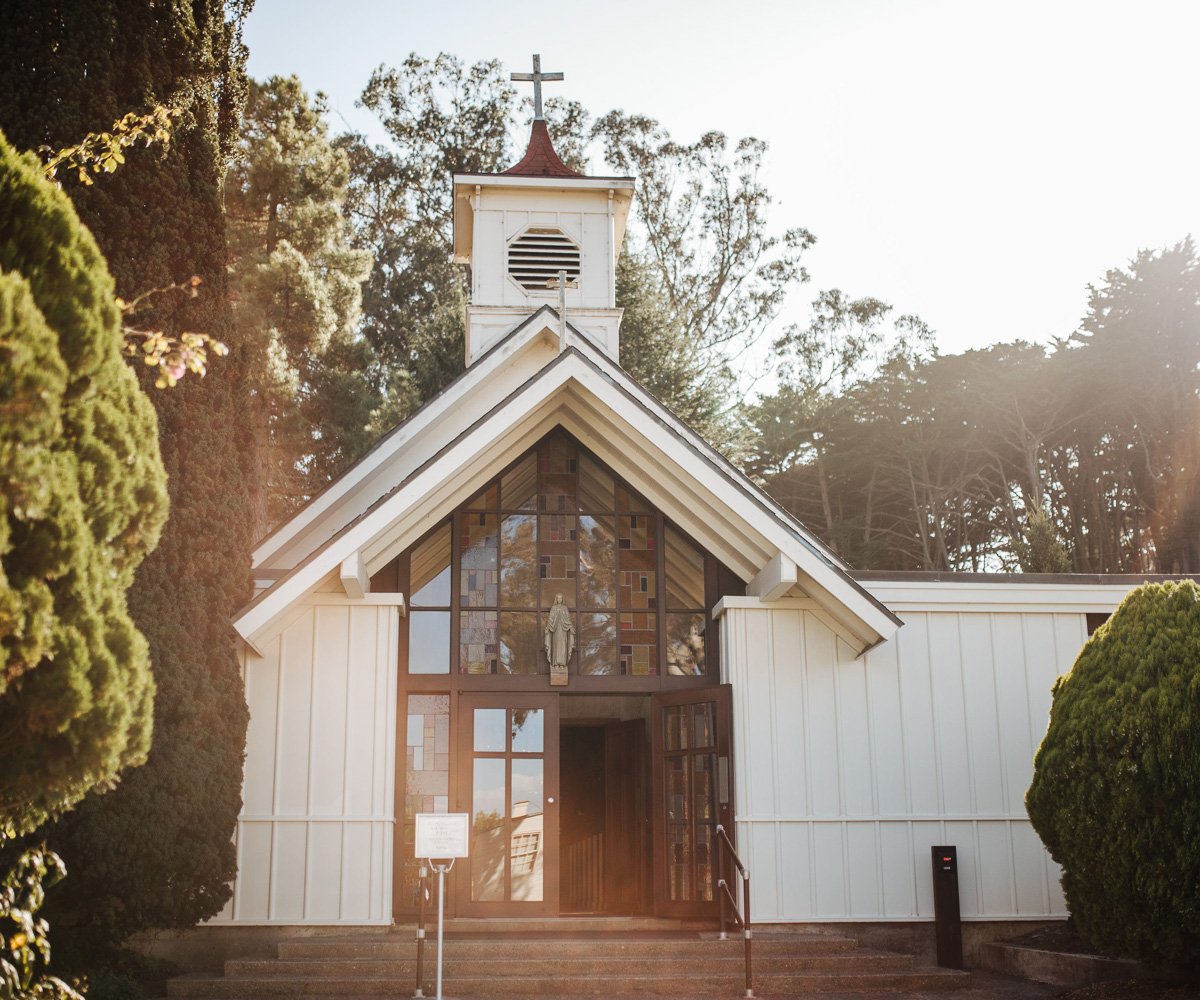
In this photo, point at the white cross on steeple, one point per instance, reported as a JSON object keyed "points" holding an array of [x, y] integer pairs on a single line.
{"points": [[536, 78]]}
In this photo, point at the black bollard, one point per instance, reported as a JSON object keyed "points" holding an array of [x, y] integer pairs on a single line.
{"points": [[946, 917]]}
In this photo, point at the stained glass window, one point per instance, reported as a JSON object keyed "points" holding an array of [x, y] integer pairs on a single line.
{"points": [[557, 521], [426, 772]]}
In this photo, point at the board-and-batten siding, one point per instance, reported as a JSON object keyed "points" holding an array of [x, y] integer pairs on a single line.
{"points": [[314, 840], [849, 769]]}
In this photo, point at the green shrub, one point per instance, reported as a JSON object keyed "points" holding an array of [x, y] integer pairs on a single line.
{"points": [[82, 501], [1116, 786]]}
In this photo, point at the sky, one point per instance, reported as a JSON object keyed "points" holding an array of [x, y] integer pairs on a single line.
{"points": [[977, 164]]}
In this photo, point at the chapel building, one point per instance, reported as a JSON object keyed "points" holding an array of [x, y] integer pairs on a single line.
{"points": [[545, 602]]}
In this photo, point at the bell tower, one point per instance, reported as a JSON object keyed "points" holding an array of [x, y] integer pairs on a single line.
{"points": [[521, 230]]}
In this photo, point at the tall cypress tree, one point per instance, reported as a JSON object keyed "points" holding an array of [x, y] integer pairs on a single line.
{"points": [[156, 851]]}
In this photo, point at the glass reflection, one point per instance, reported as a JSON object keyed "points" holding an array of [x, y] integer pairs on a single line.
{"points": [[685, 644], [429, 570], [489, 827], [527, 729], [597, 644], [597, 562], [520, 646], [429, 642], [518, 561], [527, 862], [489, 730]]}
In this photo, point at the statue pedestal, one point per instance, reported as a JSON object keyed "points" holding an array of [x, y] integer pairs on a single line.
{"points": [[558, 675]]}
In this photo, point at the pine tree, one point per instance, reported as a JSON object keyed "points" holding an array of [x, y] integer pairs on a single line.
{"points": [[297, 285], [157, 851]]}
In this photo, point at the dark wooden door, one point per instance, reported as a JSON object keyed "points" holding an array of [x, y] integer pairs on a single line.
{"points": [[508, 776], [626, 820], [690, 735]]}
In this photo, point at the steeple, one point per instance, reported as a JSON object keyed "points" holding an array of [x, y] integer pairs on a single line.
{"points": [[521, 229], [540, 159]]}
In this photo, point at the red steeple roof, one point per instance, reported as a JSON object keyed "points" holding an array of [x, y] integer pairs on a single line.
{"points": [[540, 159]]}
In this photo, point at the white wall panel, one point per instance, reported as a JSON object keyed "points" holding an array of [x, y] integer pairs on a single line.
{"points": [[849, 769], [293, 727], [289, 847], [314, 838], [919, 744]]}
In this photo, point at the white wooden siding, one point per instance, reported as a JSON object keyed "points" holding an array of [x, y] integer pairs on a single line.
{"points": [[849, 769], [314, 840]]}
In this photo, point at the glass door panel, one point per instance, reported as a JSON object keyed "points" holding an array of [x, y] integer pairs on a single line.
{"points": [[691, 737], [510, 778]]}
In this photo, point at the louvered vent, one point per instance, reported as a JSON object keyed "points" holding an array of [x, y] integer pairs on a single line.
{"points": [[537, 255]]}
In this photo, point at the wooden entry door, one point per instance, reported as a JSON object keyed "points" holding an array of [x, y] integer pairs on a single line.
{"points": [[508, 759], [626, 826], [692, 794]]}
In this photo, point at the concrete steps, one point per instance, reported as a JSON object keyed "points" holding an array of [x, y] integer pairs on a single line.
{"points": [[674, 963]]}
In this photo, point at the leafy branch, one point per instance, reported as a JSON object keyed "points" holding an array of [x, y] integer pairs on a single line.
{"points": [[173, 355], [103, 152], [25, 937]]}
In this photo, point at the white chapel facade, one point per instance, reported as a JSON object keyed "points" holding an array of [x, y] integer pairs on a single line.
{"points": [[408, 649]]}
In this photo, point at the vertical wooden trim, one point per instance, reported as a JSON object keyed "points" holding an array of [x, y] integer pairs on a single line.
{"points": [[399, 777]]}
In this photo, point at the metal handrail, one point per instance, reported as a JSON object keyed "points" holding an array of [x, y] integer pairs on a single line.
{"points": [[742, 917]]}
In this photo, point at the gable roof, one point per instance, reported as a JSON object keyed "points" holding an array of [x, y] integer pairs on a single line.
{"points": [[522, 388]]}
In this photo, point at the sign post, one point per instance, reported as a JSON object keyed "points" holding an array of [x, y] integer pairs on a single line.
{"points": [[441, 839]]}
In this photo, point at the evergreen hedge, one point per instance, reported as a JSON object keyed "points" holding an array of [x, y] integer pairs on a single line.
{"points": [[82, 501], [158, 850], [1116, 786]]}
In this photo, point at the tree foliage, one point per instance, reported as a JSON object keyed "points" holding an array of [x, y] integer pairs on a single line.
{"points": [[164, 834], [701, 277], [297, 285], [1082, 457], [1116, 786], [82, 502], [717, 274]]}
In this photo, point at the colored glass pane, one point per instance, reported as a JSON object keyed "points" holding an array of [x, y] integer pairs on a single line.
{"points": [[478, 642]]}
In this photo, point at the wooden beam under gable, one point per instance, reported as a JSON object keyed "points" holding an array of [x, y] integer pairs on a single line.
{"points": [[355, 580], [775, 579]]}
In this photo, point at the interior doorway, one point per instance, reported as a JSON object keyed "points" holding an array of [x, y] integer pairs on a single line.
{"points": [[604, 815]]}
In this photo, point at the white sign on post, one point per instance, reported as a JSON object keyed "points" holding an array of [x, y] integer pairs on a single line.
{"points": [[442, 835]]}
